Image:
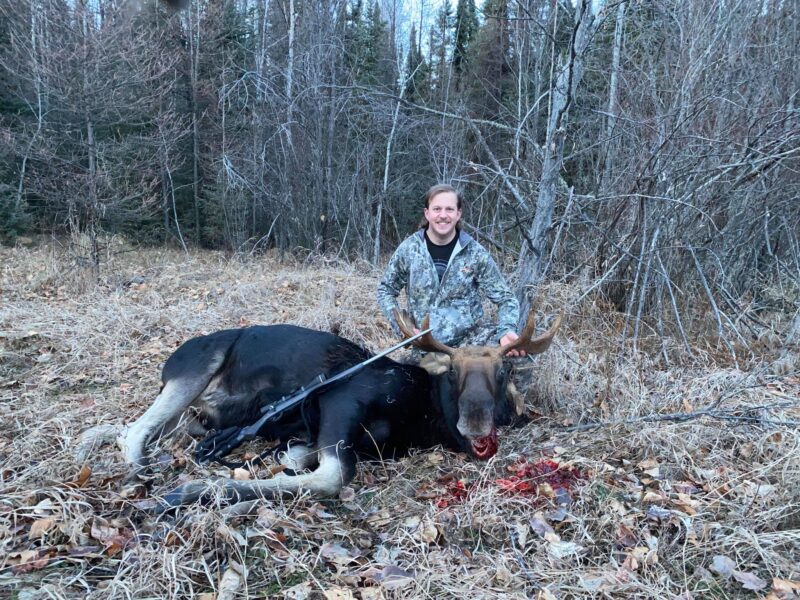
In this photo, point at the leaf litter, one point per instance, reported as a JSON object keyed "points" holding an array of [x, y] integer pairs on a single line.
{"points": [[667, 510]]}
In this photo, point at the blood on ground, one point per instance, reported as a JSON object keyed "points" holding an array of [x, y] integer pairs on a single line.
{"points": [[536, 481]]}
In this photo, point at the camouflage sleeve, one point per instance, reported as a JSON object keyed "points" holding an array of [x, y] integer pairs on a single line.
{"points": [[392, 283], [496, 289]]}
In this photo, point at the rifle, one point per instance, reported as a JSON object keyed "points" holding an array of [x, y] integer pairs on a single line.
{"points": [[219, 444]]}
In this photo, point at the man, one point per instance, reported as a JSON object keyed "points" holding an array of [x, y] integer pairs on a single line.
{"points": [[444, 272]]}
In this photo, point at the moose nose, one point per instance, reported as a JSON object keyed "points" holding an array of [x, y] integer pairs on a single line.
{"points": [[476, 424]]}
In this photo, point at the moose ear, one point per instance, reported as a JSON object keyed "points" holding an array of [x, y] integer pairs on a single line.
{"points": [[435, 363]]}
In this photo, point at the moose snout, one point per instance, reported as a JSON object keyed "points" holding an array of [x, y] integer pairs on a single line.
{"points": [[476, 423]]}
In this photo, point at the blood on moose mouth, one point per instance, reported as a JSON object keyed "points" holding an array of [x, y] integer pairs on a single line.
{"points": [[486, 447]]}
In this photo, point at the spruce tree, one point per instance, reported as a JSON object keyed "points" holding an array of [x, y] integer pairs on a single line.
{"points": [[416, 70], [466, 27], [441, 40], [378, 63], [492, 70]]}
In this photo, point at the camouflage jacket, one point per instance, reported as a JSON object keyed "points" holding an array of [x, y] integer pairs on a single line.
{"points": [[454, 304]]}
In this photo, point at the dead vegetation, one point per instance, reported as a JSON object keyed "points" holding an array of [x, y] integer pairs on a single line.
{"points": [[684, 507]]}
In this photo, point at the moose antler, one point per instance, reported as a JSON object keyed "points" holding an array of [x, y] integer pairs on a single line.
{"points": [[427, 342], [530, 344]]}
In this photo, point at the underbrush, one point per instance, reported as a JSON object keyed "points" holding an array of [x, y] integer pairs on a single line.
{"points": [[689, 479]]}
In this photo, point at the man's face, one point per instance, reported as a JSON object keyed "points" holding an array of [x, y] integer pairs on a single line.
{"points": [[442, 215]]}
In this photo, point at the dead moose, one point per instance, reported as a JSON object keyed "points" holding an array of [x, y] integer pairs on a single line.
{"points": [[222, 379]]}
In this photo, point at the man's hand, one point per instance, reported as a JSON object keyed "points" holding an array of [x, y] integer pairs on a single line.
{"points": [[508, 338]]}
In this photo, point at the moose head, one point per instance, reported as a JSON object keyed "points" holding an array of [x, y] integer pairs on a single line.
{"points": [[476, 378]]}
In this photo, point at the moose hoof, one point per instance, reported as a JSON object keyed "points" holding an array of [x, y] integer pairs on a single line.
{"points": [[188, 493]]}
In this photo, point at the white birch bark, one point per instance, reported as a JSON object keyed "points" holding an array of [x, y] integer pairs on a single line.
{"points": [[611, 120]]}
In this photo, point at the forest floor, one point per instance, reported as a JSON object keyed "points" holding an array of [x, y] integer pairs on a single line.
{"points": [[704, 506]]}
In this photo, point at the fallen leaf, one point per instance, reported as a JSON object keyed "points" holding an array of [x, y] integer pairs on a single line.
{"points": [[521, 531], [651, 497], [267, 518], [229, 584], [301, 591], [685, 504], [103, 532], [32, 560], [337, 554], [134, 491], [723, 565], [784, 585], [45, 507], [338, 593], [379, 519], [630, 563], [230, 534], [596, 583], [650, 466], [434, 458], [502, 575], [241, 474], [428, 532], [749, 581], [318, 510], [392, 577], [658, 513], [563, 549], [540, 526], [371, 593], [412, 522], [40, 527], [558, 515], [625, 537], [545, 490], [83, 550]]}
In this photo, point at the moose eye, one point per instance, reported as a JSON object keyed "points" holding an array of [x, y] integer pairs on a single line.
{"points": [[501, 373]]}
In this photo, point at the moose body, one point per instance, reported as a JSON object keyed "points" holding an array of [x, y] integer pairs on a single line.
{"points": [[224, 379]]}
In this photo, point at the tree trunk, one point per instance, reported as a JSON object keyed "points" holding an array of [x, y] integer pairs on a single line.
{"points": [[193, 30], [533, 253], [612, 95]]}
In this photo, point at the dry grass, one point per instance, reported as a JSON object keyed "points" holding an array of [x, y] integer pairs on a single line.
{"points": [[659, 502]]}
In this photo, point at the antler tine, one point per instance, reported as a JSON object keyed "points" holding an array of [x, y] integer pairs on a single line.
{"points": [[404, 322], [427, 342], [530, 344]]}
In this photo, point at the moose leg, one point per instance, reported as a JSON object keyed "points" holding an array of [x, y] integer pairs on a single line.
{"points": [[341, 415], [176, 396], [336, 469], [297, 457]]}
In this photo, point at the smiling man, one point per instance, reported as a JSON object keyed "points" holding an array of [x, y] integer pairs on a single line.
{"points": [[445, 273]]}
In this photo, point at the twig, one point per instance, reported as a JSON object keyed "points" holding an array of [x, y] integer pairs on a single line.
{"points": [[724, 415]]}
